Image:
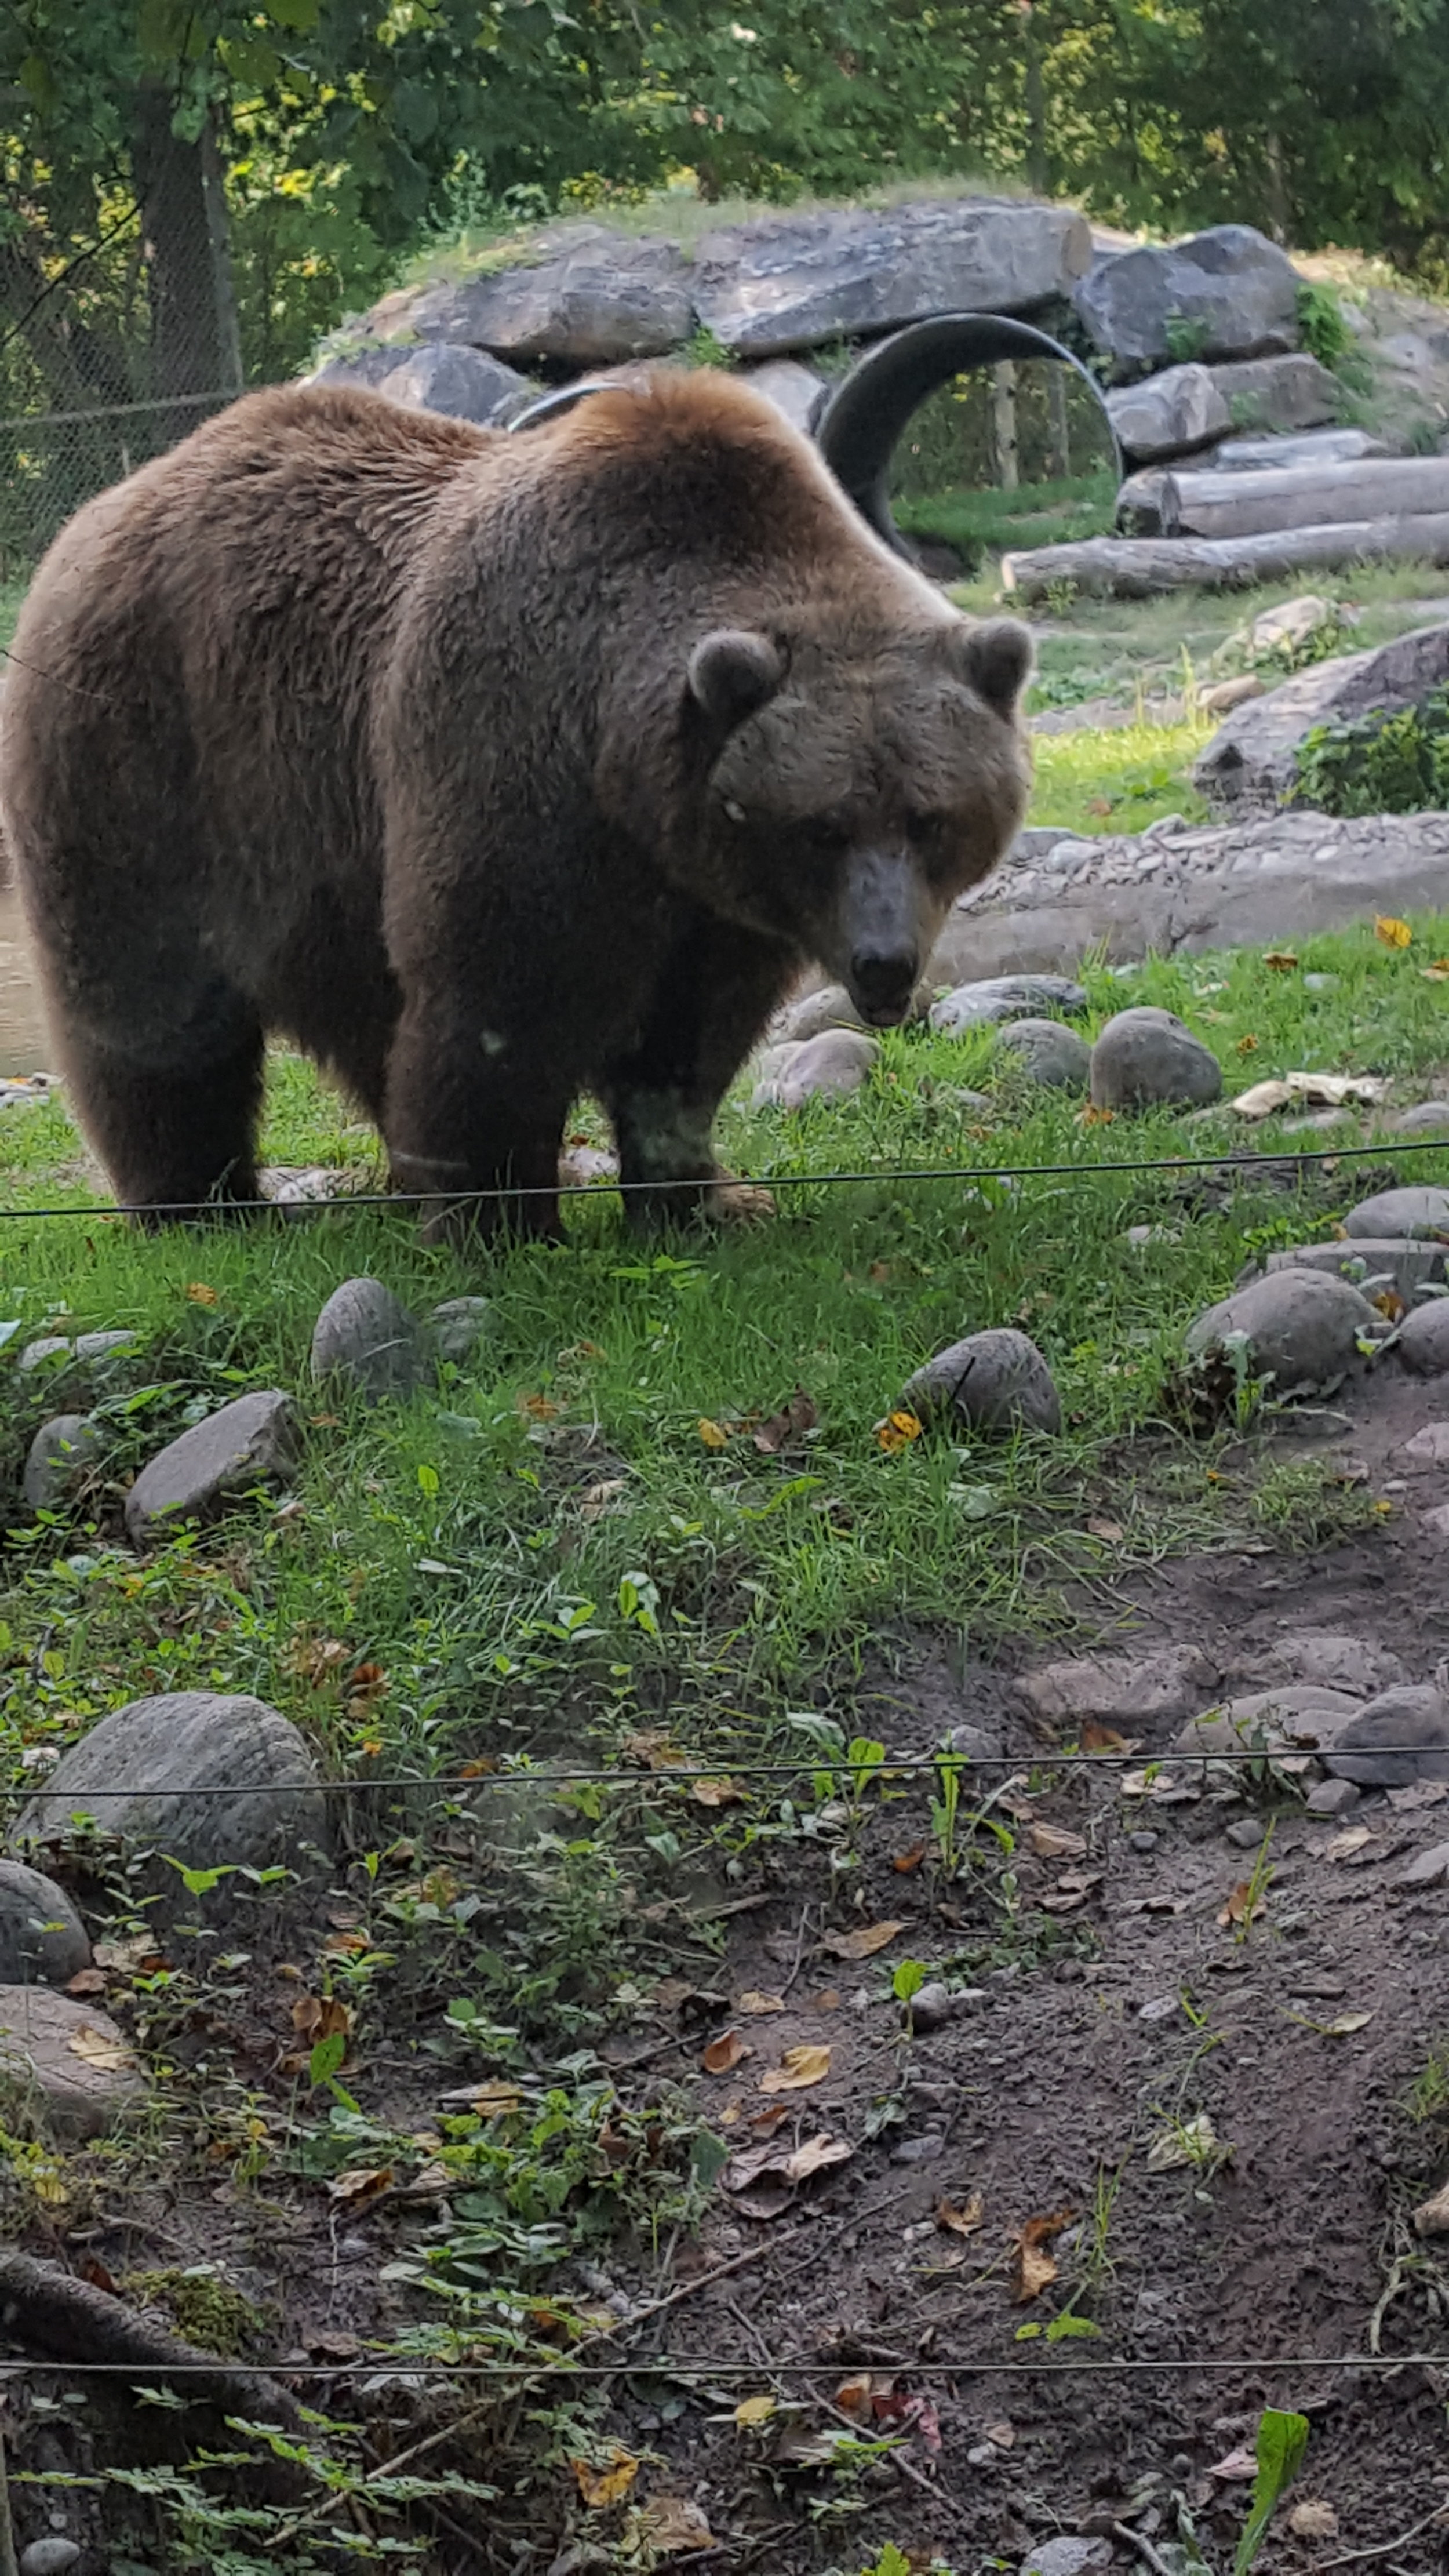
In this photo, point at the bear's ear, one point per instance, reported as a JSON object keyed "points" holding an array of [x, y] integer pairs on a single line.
{"points": [[731, 673], [995, 659]]}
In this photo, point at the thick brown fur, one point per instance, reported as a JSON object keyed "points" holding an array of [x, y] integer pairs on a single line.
{"points": [[486, 769]]}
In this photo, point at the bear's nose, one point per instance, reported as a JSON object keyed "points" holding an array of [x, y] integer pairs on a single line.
{"points": [[883, 980]]}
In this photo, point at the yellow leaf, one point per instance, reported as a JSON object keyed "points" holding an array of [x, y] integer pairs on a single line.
{"points": [[1282, 960], [724, 2053], [200, 1294], [717, 1793], [798, 2069], [1051, 1842], [1032, 2267], [862, 1944], [754, 2002], [491, 2101], [965, 2220], [1346, 2022], [713, 1434], [1248, 1045], [1394, 934], [363, 2184], [111, 2055], [754, 2410], [604, 2486], [897, 1432]]}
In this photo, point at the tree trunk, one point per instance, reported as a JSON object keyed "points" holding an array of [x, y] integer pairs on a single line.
{"points": [[1145, 567], [193, 319], [1059, 439], [1003, 425], [1251, 504]]}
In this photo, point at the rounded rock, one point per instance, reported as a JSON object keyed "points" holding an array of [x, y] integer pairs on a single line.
{"points": [[1423, 1343], [1050, 1053], [249, 1442], [995, 1381], [930, 2008], [1399, 1213], [828, 1067], [1004, 997], [830, 1007], [1146, 1056], [458, 1326], [1400, 1737], [53, 2557], [68, 2058], [366, 1335], [42, 1938], [1426, 1118], [1302, 1718], [1301, 1329], [208, 1778], [60, 1458]]}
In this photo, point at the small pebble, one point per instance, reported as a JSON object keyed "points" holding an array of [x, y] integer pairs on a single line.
{"points": [[930, 2008], [917, 2151], [1332, 1797], [1143, 1842], [1245, 1833]]}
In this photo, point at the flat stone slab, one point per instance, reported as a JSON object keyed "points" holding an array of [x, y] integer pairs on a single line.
{"points": [[249, 1443], [69, 2059], [206, 1778]]}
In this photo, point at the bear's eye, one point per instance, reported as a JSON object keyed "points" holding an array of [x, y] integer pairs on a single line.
{"points": [[734, 812]]}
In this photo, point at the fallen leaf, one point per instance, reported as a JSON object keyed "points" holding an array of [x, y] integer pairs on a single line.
{"points": [[1002, 2436], [1244, 1904], [1111, 1531], [200, 1294], [908, 1860], [368, 1683], [1096, 1738], [672, 2522], [1099, 805], [724, 2053], [1092, 1116], [1438, 973], [897, 1431], [317, 2017], [754, 2410], [713, 1434], [863, 1943], [87, 1981], [816, 2155], [768, 2120], [1072, 1890], [716, 1793], [653, 1748], [1241, 2463], [136, 1957], [1052, 1842], [1248, 1045], [827, 2001], [605, 2485], [1312, 2520], [1032, 2267], [1194, 2143], [1352, 1840], [111, 2056], [601, 1498], [763, 2180], [1315, 1090], [1345, 2022], [1281, 960], [853, 2396], [362, 2184], [1394, 934], [781, 1430], [798, 2069], [753, 2002], [965, 2220]]}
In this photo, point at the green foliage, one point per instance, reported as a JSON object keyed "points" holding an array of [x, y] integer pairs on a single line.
{"points": [[1378, 763], [1282, 2441], [1187, 338], [1321, 326]]}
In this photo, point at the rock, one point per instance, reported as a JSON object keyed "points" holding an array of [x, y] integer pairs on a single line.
{"points": [[1120, 1690], [166, 1763], [1245, 1833], [978, 1743], [1168, 415], [1291, 623], [995, 1381], [54, 2557], [1249, 763], [1423, 1343], [250, 1442], [465, 383], [1051, 1054], [1330, 1662], [829, 1067], [87, 1350], [1229, 287], [594, 297], [1227, 694], [1280, 393], [361, 366], [1146, 1055], [828, 1008], [60, 1457], [366, 1335], [1308, 447], [458, 1326], [800, 281], [1427, 1869], [1429, 1447], [1436, 1524], [1414, 1718], [930, 2008], [1302, 1330], [1298, 1719], [1409, 1265], [1004, 997], [42, 1938], [1067, 2557], [794, 390], [1400, 1212], [1426, 1118], [70, 2058], [1331, 1798], [1321, 983]]}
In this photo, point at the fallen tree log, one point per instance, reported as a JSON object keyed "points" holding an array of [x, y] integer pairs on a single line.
{"points": [[1148, 567], [1304, 496]]}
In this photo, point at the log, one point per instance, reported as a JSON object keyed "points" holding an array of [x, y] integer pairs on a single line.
{"points": [[1208, 504], [1147, 567]]}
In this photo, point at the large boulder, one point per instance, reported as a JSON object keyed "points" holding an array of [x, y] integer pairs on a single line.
{"points": [[1228, 293], [368, 366], [1248, 767], [590, 298], [1168, 415], [1300, 1329], [800, 280], [68, 2061], [1294, 392], [465, 383], [204, 1777]]}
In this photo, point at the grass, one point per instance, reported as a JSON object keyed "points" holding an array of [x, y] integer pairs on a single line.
{"points": [[1036, 514], [1119, 780], [12, 594]]}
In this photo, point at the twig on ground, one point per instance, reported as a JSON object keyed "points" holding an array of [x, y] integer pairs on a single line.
{"points": [[799, 1951], [1145, 2551]]}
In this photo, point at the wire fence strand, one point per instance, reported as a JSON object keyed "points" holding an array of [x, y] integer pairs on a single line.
{"points": [[404, 2366]]}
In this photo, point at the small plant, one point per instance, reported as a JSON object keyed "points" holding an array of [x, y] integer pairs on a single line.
{"points": [[702, 349], [1187, 338], [1061, 596], [1325, 334], [1378, 764], [946, 1809], [1281, 2443]]}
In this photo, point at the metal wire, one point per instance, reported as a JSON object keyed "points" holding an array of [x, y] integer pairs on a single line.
{"points": [[939, 2366]]}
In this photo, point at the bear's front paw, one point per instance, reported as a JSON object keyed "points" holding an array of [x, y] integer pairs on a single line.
{"points": [[739, 1202]]}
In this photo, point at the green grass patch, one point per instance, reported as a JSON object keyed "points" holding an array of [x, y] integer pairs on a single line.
{"points": [[1035, 514], [1118, 780]]}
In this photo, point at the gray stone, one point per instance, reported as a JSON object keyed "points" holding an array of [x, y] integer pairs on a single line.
{"points": [[366, 1335], [1409, 1265], [1146, 1055], [361, 366], [1412, 1718], [201, 1776], [1289, 393], [91, 1348], [829, 1007], [1004, 997], [1400, 1212], [1330, 1662], [1296, 1719], [1142, 1841], [1245, 1833], [42, 1938], [930, 2008], [1429, 1447], [464, 383], [1169, 414], [799, 281], [1230, 286], [1067, 2557], [60, 1457], [87, 1350], [69, 2059], [1426, 1118], [1423, 1343], [829, 1067], [1307, 447], [1051, 1054], [978, 1743], [458, 1326], [250, 1442], [54, 2557], [1302, 1331], [1427, 1869], [995, 1381], [1332, 1798], [795, 391], [1167, 1681], [591, 298], [1249, 765]]}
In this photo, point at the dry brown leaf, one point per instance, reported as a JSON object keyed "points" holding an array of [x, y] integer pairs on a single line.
{"points": [[1242, 1906], [316, 2017], [781, 1430], [362, 2184], [1353, 1840], [816, 2155], [492, 2101], [853, 2396], [1111, 1531], [1313, 2520], [897, 1431], [1002, 2436], [111, 2056], [798, 2069], [1281, 960], [717, 1793], [600, 2486], [539, 1408], [87, 1981], [754, 2410], [1241, 2463], [1345, 2023], [651, 1746], [1053, 1842], [200, 1294], [768, 2120], [965, 2220], [753, 2002], [724, 2053], [1096, 1738], [908, 1860], [671, 2522], [135, 1958], [1032, 2267], [1438, 973], [827, 2001], [862, 1943]]}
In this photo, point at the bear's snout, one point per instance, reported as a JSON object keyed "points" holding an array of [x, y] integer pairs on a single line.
{"points": [[882, 981], [882, 926]]}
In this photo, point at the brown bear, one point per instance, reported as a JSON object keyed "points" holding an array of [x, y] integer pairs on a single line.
{"points": [[487, 769]]}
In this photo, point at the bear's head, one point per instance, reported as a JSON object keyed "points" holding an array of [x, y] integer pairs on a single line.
{"points": [[855, 781]]}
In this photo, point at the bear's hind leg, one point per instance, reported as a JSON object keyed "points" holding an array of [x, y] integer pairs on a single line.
{"points": [[182, 1140]]}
